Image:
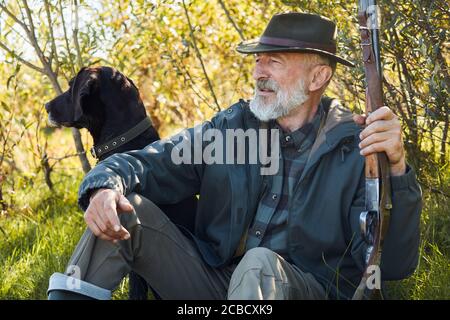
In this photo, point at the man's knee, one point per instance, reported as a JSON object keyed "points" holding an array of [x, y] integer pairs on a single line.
{"points": [[259, 257], [261, 260], [145, 213], [254, 276]]}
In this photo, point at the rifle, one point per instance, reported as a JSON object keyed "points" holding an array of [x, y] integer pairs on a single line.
{"points": [[374, 221]]}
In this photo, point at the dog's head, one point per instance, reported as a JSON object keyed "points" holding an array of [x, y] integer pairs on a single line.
{"points": [[95, 94]]}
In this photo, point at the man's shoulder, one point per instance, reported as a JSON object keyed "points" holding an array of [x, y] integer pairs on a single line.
{"points": [[237, 113], [334, 105], [236, 109], [337, 114]]}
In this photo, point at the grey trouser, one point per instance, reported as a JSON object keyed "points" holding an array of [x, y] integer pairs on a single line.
{"points": [[172, 265]]}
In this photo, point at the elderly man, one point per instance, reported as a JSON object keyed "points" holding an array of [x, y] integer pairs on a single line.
{"points": [[292, 234]]}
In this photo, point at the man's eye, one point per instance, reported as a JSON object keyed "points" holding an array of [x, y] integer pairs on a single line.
{"points": [[274, 61]]}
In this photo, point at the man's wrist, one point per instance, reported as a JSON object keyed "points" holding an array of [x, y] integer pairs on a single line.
{"points": [[398, 169], [94, 193]]}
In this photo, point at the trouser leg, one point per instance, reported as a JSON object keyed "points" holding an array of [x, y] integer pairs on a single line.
{"points": [[263, 274], [157, 250]]}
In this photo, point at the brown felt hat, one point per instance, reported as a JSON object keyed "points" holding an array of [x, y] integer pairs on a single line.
{"points": [[297, 32]]}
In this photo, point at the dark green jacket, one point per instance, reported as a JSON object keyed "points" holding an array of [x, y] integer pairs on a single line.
{"points": [[323, 227]]}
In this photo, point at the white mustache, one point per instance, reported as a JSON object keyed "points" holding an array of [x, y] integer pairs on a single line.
{"points": [[268, 84]]}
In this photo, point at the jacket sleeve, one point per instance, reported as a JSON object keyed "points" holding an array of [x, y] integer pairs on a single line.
{"points": [[151, 171], [401, 245]]}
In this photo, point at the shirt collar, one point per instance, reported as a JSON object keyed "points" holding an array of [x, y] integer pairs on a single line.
{"points": [[308, 131]]}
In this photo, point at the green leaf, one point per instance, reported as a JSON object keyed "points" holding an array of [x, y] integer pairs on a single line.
{"points": [[5, 106]]}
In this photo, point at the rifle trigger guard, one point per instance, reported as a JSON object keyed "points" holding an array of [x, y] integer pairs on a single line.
{"points": [[367, 221]]}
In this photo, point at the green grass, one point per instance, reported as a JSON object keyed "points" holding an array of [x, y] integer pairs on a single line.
{"points": [[43, 227], [432, 277], [40, 233]]}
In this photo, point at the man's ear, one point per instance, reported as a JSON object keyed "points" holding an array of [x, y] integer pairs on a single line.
{"points": [[84, 85], [321, 75]]}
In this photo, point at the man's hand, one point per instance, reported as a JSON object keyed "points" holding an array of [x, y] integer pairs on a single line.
{"points": [[383, 132], [101, 214]]}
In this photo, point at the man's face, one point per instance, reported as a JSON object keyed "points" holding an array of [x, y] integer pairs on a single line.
{"points": [[281, 84]]}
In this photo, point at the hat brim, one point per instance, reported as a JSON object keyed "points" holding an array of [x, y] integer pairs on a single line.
{"points": [[256, 47]]}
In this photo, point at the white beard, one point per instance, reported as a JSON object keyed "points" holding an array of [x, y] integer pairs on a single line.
{"points": [[285, 100]]}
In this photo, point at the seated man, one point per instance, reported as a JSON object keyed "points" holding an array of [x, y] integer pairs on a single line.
{"points": [[288, 229]]}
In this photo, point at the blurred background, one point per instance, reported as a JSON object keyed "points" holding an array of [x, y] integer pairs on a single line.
{"points": [[181, 55]]}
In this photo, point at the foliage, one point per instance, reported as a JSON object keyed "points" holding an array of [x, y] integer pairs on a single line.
{"points": [[181, 54]]}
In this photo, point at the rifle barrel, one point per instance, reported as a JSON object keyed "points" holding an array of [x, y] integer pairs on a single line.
{"points": [[373, 23]]}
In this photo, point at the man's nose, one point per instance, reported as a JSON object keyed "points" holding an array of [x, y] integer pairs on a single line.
{"points": [[260, 72]]}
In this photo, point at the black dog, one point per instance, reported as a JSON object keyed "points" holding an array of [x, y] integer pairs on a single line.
{"points": [[108, 104]]}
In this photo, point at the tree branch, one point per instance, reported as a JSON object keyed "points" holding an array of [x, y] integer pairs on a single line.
{"points": [[18, 33], [231, 20], [52, 37], [66, 38], [32, 36], [75, 34], [25, 62], [199, 56], [12, 16], [30, 20], [188, 78]]}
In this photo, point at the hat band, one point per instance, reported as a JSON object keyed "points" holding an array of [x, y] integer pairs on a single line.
{"points": [[296, 43]]}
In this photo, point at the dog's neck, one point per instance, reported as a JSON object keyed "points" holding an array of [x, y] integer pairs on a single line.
{"points": [[148, 136], [112, 128]]}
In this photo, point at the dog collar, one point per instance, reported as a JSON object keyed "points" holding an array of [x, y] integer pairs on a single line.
{"points": [[98, 151]]}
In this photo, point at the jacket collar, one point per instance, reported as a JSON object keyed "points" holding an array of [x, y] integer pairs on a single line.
{"points": [[337, 125]]}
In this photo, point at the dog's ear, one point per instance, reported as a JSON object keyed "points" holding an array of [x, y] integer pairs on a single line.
{"points": [[84, 85], [132, 83], [133, 89]]}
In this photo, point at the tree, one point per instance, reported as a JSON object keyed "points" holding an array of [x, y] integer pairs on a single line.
{"points": [[41, 38]]}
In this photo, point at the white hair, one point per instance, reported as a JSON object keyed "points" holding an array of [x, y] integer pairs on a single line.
{"points": [[286, 100]]}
